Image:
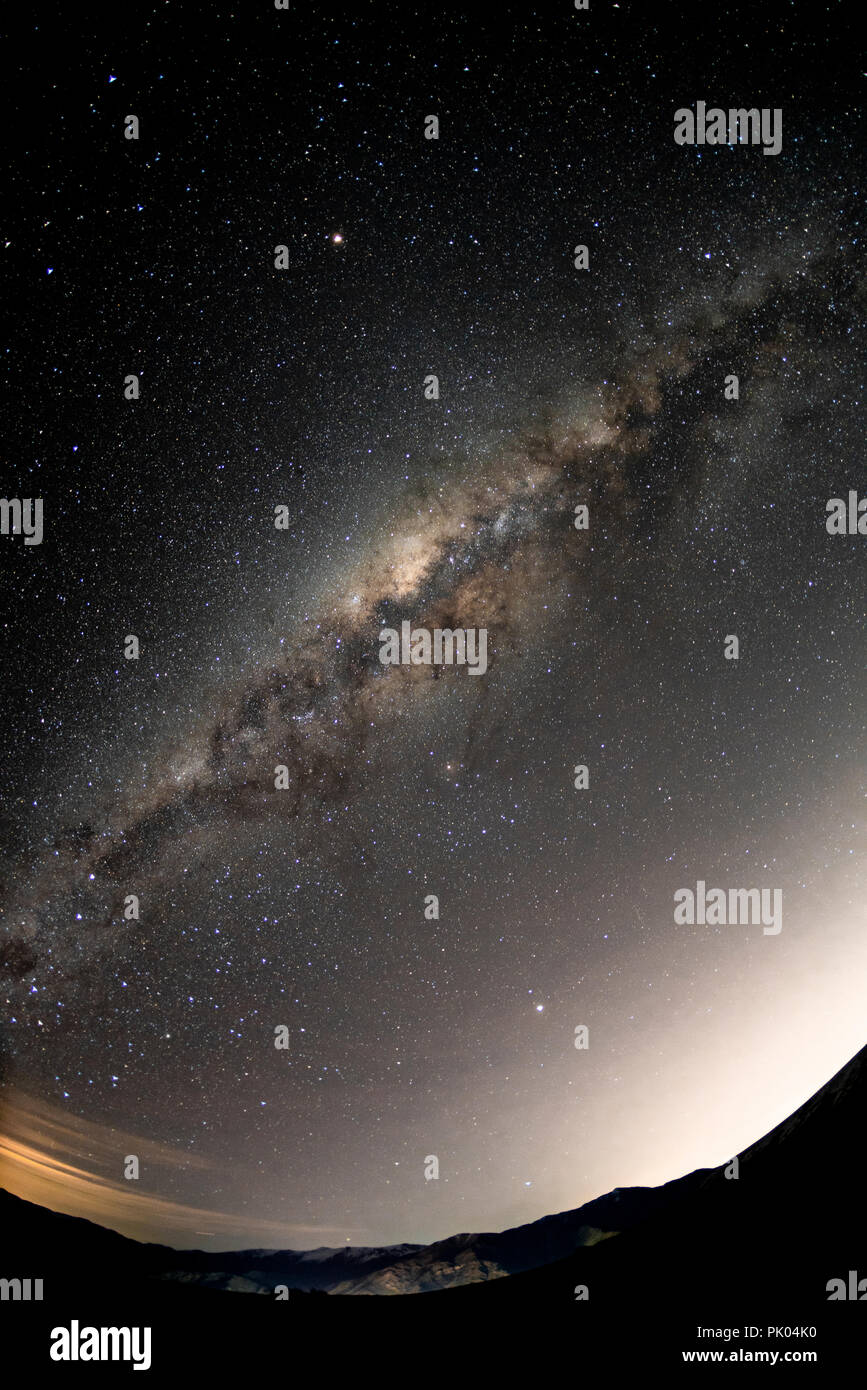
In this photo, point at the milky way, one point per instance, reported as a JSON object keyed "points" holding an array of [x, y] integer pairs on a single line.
{"points": [[304, 906]]}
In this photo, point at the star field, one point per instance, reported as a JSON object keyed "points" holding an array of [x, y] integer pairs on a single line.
{"points": [[303, 388]]}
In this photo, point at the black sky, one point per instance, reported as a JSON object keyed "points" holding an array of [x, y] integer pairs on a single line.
{"points": [[304, 388]]}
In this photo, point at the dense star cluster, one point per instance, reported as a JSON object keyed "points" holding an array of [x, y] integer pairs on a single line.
{"points": [[287, 484]]}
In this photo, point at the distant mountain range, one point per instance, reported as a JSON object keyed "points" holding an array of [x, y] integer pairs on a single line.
{"points": [[793, 1218], [389, 1269]]}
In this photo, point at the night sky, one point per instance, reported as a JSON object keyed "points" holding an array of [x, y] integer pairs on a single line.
{"points": [[304, 388]]}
